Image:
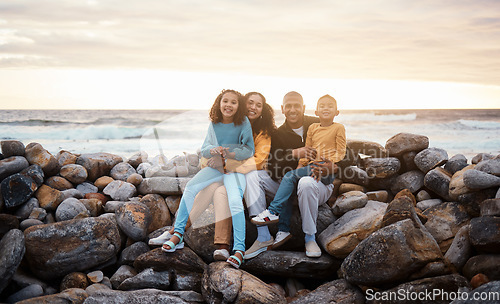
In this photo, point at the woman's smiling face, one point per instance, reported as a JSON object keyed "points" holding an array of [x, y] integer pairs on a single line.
{"points": [[228, 105], [254, 107]]}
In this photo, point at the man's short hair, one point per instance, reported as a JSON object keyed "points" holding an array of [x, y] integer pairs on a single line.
{"points": [[293, 95]]}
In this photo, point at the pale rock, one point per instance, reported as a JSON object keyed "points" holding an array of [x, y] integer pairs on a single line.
{"points": [[460, 250], [370, 148], [95, 276], [381, 167], [12, 148], [96, 288], [161, 171], [12, 165], [150, 296], [426, 204], [49, 198], [148, 278], [405, 245], [456, 163], [69, 209], [430, 158], [491, 166], [65, 158], [411, 180], [102, 182], [477, 180], [349, 201], [135, 179], [134, 220], [113, 206], [342, 236], [122, 171], [76, 174], [36, 154], [381, 196], [138, 158], [86, 187], [143, 168], [438, 181], [71, 193], [193, 159], [98, 164], [406, 142], [444, 221], [163, 185], [72, 295], [159, 160], [54, 250], [120, 190]]}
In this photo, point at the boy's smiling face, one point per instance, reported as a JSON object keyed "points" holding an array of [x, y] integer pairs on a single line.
{"points": [[326, 108]]}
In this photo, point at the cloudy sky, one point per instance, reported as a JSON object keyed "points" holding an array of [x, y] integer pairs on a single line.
{"points": [[180, 54]]}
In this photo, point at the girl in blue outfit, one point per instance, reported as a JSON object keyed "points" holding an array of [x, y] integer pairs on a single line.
{"points": [[229, 136]]}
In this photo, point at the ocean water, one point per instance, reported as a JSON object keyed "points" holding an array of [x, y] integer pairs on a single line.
{"points": [[172, 132]]}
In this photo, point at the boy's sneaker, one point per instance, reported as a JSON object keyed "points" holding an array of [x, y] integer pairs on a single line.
{"points": [[265, 218], [281, 238]]}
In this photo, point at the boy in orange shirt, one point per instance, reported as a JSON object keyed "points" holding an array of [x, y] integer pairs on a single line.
{"points": [[329, 139]]}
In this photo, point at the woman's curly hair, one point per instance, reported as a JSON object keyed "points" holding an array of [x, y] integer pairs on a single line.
{"points": [[265, 122], [239, 116]]}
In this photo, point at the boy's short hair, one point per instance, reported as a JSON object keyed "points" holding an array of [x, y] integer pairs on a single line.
{"points": [[327, 96]]}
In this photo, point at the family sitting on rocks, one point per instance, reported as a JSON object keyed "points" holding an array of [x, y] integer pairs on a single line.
{"points": [[244, 155]]}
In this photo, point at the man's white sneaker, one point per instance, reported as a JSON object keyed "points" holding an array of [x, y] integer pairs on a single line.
{"points": [[313, 250], [159, 240], [257, 248], [281, 238], [265, 218]]}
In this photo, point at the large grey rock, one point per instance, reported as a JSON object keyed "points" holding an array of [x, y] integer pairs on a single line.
{"points": [[341, 237], [456, 163], [120, 190], [355, 175], [17, 189], [489, 289], [174, 171], [159, 211], [54, 250], [408, 161], [423, 291], [130, 253], [457, 186], [69, 209], [98, 164], [24, 211], [423, 205], [65, 158], [138, 158], [444, 221], [12, 148], [486, 264], [11, 254], [163, 185], [349, 201], [485, 233], [406, 142], [430, 158], [460, 250], [72, 295], [134, 219], [142, 296], [27, 292], [12, 165], [482, 156], [224, 284], [122, 171], [76, 174], [123, 273], [490, 207], [392, 254], [475, 179], [148, 278], [338, 291], [36, 154], [411, 180], [292, 264], [438, 181], [381, 167], [86, 187], [491, 166], [34, 172], [184, 260]]}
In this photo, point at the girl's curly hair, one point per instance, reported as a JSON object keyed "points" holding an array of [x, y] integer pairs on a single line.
{"points": [[265, 122], [239, 116]]}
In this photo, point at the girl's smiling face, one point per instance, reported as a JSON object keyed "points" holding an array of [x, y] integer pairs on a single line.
{"points": [[228, 107], [254, 107]]}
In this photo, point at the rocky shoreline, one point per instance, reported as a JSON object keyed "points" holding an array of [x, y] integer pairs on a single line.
{"points": [[403, 219]]}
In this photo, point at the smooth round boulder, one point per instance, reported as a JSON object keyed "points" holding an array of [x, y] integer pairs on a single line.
{"points": [[36, 154], [478, 180], [122, 171], [138, 158], [102, 182], [349, 201], [59, 183], [69, 209], [98, 164], [456, 163], [12, 148], [135, 179], [430, 158], [406, 142], [74, 280], [11, 254], [17, 189], [381, 167], [159, 211], [120, 190], [491, 166], [134, 220], [34, 172], [49, 198], [65, 158], [12, 165], [438, 181], [411, 180], [76, 174]]}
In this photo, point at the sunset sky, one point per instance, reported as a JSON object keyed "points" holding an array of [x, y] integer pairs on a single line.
{"points": [[151, 54]]}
